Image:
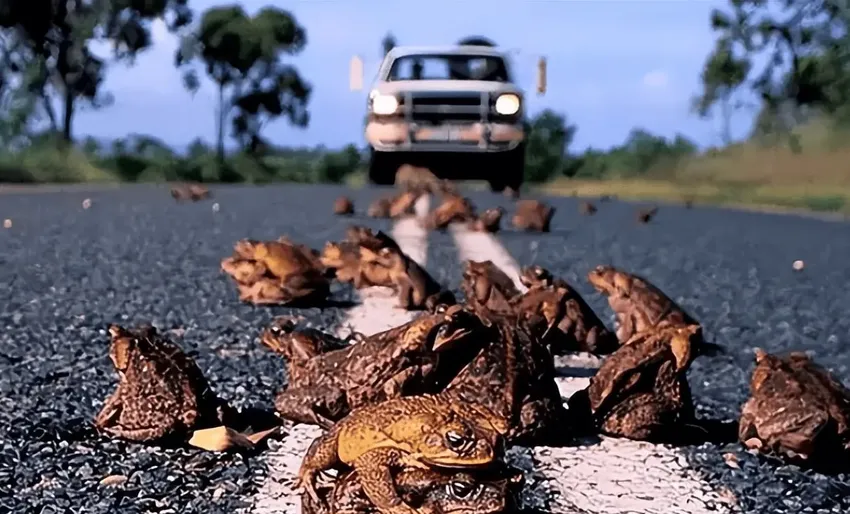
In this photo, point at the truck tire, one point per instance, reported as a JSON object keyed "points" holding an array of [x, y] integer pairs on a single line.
{"points": [[382, 168], [513, 164]]}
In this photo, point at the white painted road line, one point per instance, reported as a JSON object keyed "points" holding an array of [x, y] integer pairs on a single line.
{"points": [[483, 246], [376, 312], [616, 475]]}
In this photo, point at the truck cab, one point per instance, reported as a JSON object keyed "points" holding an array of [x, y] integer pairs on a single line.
{"points": [[454, 109]]}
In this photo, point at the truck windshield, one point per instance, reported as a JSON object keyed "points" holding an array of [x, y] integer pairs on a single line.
{"points": [[448, 67]]}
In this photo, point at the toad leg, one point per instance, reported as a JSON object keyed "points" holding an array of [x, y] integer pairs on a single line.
{"points": [[298, 285], [141, 434], [395, 385], [110, 411], [626, 328], [320, 456], [308, 406], [405, 293], [373, 469]]}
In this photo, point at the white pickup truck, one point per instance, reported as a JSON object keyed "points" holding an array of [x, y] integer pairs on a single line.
{"points": [[454, 109]]}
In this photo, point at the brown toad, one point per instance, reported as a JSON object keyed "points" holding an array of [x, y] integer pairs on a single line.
{"points": [[296, 345], [380, 208], [243, 271], [396, 362], [295, 271], [533, 215], [513, 378], [489, 221], [485, 285], [641, 391], [343, 206], [587, 208], [637, 303], [646, 214], [571, 324], [416, 288], [797, 410], [415, 431], [161, 393], [454, 208], [429, 491]]}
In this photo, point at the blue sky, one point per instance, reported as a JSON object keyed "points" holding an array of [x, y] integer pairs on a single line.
{"points": [[613, 65]]}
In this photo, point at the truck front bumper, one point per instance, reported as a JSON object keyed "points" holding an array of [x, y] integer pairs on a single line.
{"points": [[404, 136]]}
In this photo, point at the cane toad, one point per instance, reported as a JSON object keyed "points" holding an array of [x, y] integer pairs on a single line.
{"points": [[414, 431], [570, 323], [404, 204], [429, 491], [554, 301], [513, 378], [641, 391], [161, 393], [243, 271], [297, 346], [397, 362], [343, 206], [297, 276], [380, 208], [373, 241], [587, 208], [263, 291], [455, 208], [486, 286], [538, 276], [416, 288], [533, 215], [637, 303], [489, 221], [797, 410], [646, 214]]}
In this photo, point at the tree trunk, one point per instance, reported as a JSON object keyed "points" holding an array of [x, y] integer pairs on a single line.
{"points": [[68, 116], [220, 125]]}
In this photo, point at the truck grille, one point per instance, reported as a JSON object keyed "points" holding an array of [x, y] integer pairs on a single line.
{"points": [[446, 107]]}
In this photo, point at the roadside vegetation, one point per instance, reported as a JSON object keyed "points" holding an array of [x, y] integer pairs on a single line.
{"points": [[796, 155]]}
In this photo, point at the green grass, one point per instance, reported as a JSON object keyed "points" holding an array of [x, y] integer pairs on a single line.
{"points": [[814, 179]]}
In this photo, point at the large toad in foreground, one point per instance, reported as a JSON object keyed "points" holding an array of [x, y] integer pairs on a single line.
{"points": [[797, 410], [416, 431], [161, 393]]}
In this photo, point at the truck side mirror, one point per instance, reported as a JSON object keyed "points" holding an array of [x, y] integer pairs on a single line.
{"points": [[541, 76], [355, 74]]}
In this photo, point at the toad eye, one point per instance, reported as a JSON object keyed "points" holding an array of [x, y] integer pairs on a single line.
{"points": [[458, 441], [462, 490], [275, 330]]}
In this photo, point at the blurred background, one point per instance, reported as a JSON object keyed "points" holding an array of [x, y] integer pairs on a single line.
{"points": [[728, 102]]}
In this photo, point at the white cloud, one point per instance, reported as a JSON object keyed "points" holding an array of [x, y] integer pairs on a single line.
{"points": [[657, 79]]}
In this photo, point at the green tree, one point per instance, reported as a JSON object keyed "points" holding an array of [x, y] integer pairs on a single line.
{"points": [[546, 147], [243, 57], [805, 48], [722, 74], [55, 37]]}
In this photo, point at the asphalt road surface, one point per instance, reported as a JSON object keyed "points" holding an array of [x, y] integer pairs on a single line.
{"points": [[136, 256]]}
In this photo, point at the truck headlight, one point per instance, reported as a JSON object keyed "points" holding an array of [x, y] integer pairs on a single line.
{"points": [[383, 105], [507, 104]]}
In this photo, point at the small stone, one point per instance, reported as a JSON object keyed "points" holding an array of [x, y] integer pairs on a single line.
{"points": [[7, 223], [215, 207], [731, 460], [113, 480], [798, 265], [86, 203]]}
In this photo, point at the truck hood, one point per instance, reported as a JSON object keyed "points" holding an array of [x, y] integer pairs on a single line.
{"points": [[425, 86]]}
